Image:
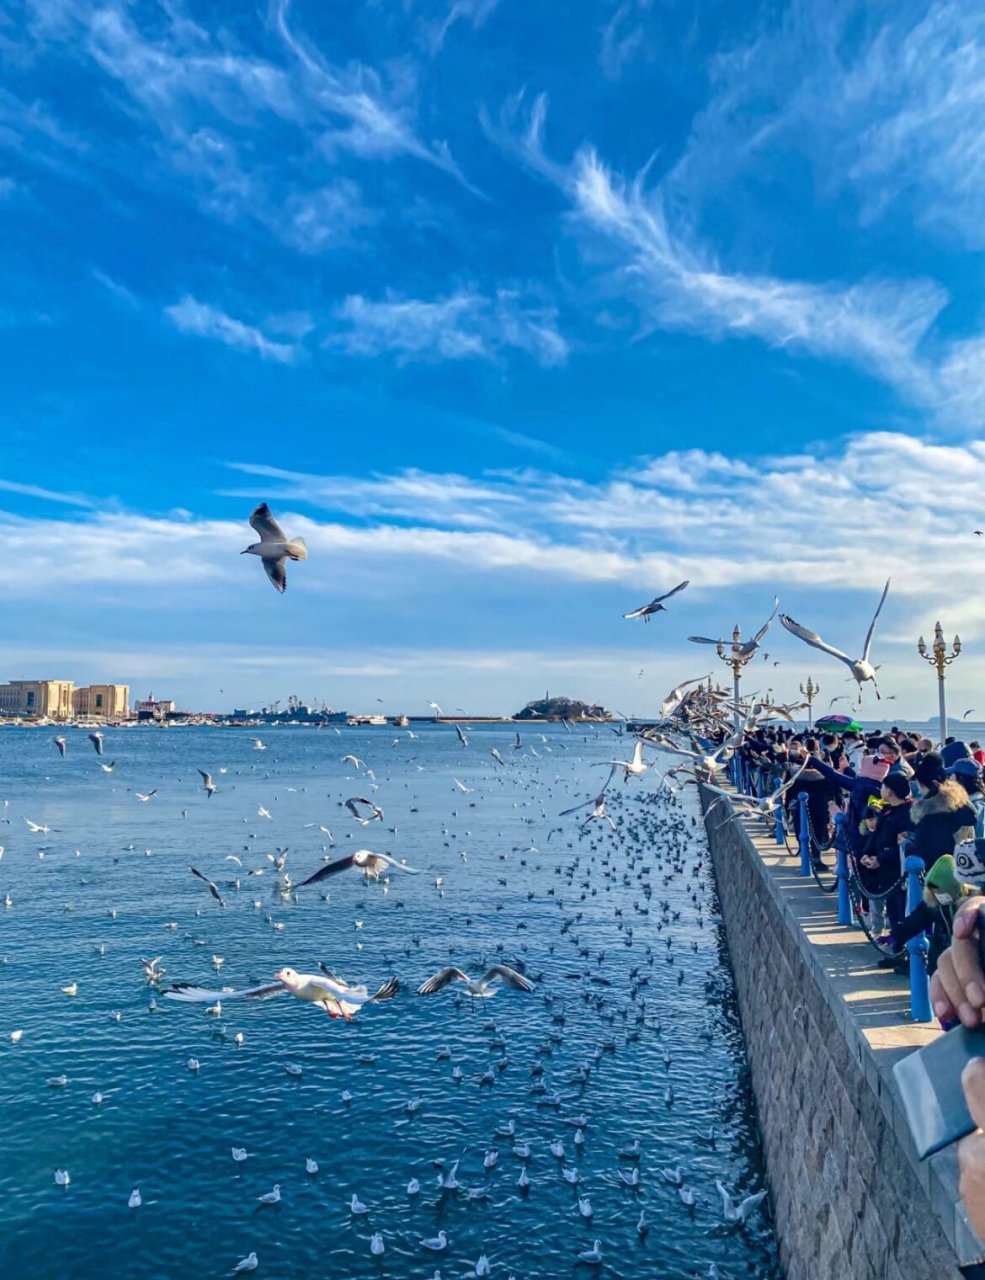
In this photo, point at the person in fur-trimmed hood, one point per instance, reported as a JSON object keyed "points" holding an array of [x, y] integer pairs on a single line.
{"points": [[942, 815]]}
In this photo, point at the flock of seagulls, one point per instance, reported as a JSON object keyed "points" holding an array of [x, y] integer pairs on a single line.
{"points": [[590, 929], [638, 873]]}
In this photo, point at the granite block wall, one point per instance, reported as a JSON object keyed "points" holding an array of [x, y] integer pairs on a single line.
{"points": [[848, 1201]]}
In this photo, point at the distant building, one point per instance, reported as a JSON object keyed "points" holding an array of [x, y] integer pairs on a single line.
{"points": [[102, 701], [151, 708], [60, 700], [42, 698]]}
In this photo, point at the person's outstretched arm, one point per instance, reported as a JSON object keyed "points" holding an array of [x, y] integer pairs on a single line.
{"points": [[957, 989]]}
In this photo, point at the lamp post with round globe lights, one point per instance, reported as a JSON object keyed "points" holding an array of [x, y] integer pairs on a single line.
{"points": [[938, 657], [810, 692]]}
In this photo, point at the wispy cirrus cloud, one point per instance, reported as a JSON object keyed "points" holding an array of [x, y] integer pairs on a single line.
{"points": [[461, 326], [884, 99], [882, 326], [46, 495], [206, 321]]}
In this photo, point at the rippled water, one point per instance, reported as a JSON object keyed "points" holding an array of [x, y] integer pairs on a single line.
{"points": [[168, 1132]]}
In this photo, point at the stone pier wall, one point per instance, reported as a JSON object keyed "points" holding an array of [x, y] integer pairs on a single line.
{"points": [[822, 1030]]}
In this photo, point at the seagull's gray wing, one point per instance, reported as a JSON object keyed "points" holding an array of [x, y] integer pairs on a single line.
{"points": [[872, 625], [508, 975], [440, 980], [206, 777], [277, 572], [266, 526], [188, 993], [813, 639], [329, 869], [766, 625], [584, 805], [673, 592], [705, 640]]}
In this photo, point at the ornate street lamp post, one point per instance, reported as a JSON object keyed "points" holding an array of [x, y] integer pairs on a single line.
{"points": [[810, 692], [941, 659], [736, 659]]}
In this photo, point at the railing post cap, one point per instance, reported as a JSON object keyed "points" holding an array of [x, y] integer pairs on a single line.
{"points": [[913, 863]]}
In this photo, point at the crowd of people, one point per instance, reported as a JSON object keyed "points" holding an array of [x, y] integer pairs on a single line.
{"points": [[886, 796]]}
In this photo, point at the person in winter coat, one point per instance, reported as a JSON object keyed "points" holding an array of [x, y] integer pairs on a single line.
{"points": [[881, 859], [943, 893], [969, 774], [942, 815]]}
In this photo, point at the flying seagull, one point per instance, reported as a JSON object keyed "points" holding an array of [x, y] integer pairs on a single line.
{"points": [[334, 995], [632, 768], [60, 744], [208, 786], [481, 987], [212, 889], [376, 815], [656, 605], [274, 547], [861, 668], [747, 647], [97, 741], [372, 865]]}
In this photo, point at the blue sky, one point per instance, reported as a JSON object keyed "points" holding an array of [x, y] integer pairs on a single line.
{"points": [[518, 320]]}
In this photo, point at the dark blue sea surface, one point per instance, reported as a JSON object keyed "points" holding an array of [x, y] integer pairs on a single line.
{"points": [[113, 885]]}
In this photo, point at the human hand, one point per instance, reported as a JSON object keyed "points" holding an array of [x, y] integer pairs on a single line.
{"points": [[957, 989], [870, 863], [971, 1150]]}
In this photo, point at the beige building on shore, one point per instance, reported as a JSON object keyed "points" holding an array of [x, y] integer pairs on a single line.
{"points": [[60, 700]]}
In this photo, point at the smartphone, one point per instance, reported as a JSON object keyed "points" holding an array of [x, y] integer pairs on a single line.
{"points": [[929, 1081]]}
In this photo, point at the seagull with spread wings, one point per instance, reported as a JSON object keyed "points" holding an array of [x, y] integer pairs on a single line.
{"points": [[372, 865], [333, 994], [861, 668], [375, 816], [656, 605], [747, 647], [212, 888], [481, 987], [274, 546]]}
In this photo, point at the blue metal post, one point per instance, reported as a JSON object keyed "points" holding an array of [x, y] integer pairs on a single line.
{"points": [[841, 871], [918, 946], [778, 817], [805, 835]]}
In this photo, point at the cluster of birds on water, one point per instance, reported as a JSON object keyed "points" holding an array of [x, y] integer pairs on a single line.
{"points": [[642, 858]]}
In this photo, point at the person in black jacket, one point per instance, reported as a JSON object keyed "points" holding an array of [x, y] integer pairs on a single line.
{"points": [[942, 815], [881, 859]]}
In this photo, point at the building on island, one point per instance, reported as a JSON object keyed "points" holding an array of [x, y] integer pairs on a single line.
{"points": [[151, 708], [60, 700]]}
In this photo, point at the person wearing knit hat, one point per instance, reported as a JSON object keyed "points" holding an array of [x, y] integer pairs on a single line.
{"points": [[943, 893], [879, 865], [898, 784], [873, 767], [942, 815], [953, 751]]}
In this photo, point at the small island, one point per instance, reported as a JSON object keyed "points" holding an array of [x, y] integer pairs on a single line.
{"points": [[548, 708]]}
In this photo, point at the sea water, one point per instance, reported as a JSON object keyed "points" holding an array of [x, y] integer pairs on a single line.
{"points": [[109, 884]]}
